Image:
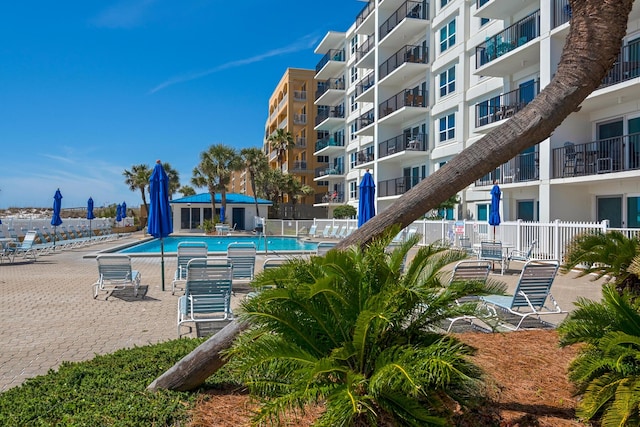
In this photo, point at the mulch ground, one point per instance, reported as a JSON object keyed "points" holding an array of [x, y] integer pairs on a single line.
{"points": [[527, 382]]}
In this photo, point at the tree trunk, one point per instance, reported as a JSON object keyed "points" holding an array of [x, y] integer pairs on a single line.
{"points": [[592, 46], [201, 363], [594, 41], [252, 176]]}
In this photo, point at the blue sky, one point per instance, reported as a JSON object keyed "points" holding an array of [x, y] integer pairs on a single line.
{"points": [[89, 88]]}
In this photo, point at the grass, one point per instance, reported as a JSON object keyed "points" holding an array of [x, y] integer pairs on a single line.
{"points": [[109, 390]]}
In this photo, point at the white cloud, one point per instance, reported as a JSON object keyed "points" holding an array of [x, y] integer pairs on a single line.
{"points": [[125, 14], [305, 42]]}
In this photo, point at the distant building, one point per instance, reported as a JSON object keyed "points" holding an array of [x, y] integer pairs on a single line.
{"points": [[190, 212]]}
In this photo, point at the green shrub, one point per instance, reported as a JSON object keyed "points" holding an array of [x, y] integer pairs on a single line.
{"points": [[344, 211], [109, 390]]}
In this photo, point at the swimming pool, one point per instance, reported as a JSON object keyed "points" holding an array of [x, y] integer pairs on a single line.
{"points": [[220, 243]]}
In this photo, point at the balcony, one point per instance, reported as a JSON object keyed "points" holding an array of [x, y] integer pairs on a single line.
{"points": [[365, 156], [512, 46], [329, 198], [409, 19], [299, 166], [522, 168], [329, 172], [406, 105], [363, 94], [397, 186], [561, 12], [331, 64], [299, 119], [328, 120], [365, 20], [365, 123], [604, 156], [365, 57], [301, 142], [300, 95], [407, 63], [330, 91], [506, 105], [411, 145], [626, 67], [329, 144], [501, 9], [273, 155]]}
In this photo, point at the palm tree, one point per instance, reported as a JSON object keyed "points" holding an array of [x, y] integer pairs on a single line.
{"points": [[606, 371], [351, 329], [138, 179], [214, 171], [281, 141], [187, 190], [270, 186], [256, 163], [296, 190], [595, 37], [174, 179]]}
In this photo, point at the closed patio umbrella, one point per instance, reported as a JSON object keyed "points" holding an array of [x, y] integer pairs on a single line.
{"points": [[90, 215], [160, 224], [367, 199], [494, 211], [221, 213], [124, 211], [118, 214], [56, 220]]}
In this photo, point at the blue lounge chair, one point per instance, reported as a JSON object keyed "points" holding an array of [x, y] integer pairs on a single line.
{"points": [[185, 253], [243, 259], [115, 273], [26, 249]]}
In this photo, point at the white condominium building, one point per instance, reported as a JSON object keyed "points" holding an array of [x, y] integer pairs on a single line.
{"points": [[412, 83]]}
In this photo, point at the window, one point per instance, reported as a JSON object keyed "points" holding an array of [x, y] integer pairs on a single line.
{"points": [[448, 81], [448, 36], [354, 74], [352, 160], [443, 3], [447, 127], [354, 104], [352, 130], [353, 190], [482, 214], [354, 44], [484, 21], [323, 159], [322, 183]]}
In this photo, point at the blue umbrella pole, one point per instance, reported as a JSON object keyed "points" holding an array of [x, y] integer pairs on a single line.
{"points": [[162, 260], [54, 238]]}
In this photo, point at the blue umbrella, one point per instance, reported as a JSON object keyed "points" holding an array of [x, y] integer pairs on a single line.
{"points": [[221, 213], [124, 210], [494, 212], [367, 201], [56, 220], [160, 224], [90, 215], [118, 213]]}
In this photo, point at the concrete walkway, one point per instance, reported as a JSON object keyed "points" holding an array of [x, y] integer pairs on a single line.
{"points": [[48, 315]]}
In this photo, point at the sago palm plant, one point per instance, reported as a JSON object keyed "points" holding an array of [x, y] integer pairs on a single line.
{"points": [[606, 371], [351, 330], [606, 255]]}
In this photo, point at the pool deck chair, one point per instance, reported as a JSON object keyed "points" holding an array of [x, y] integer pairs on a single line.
{"points": [[115, 273], [468, 270], [327, 231], [492, 251], [243, 258], [312, 230], [531, 296], [324, 247], [207, 292], [186, 252], [521, 256], [27, 248]]}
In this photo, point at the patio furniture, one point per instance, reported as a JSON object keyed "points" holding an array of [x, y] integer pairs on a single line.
{"points": [[185, 253], [115, 273]]}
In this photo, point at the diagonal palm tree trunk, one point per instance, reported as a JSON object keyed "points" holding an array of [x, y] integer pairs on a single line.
{"points": [[594, 41]]}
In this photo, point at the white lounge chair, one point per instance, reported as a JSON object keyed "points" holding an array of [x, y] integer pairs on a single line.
{"points": [[26, 248], [115, 273], [521, 256], [243, 258], [186, 252], [531, 296], [207, 292]]}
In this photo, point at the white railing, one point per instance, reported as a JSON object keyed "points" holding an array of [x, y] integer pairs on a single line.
{"points": [[21, 225]]}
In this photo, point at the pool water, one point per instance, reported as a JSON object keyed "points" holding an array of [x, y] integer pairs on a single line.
{"points": [[220, 243]]}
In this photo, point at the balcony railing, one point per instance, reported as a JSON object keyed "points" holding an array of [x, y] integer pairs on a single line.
{"points": [[561, 12], [397, 186], [299, 95], [328, 170], [324, 115], [409, 53], [330, 197], [406, 98], [626, 67], [365, 47], [299, 166], [505, 105], [332, 55], [301, 142], [300, 119], [330, 141], [617, 154], [366, 119], [366, 84], [365, 156], [524, 167], [418, 142], [365, 12], [518, 34], [410, 9], [323, 87]]}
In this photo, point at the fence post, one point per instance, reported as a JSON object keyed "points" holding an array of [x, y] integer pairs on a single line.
{"points": [[518, 234], [605, 225], [556, 240]]}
